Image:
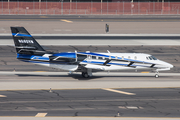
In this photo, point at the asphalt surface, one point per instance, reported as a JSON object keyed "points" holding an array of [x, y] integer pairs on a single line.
{"points": [[92, 24], [8, 61], [91, 37], [92, 102]]}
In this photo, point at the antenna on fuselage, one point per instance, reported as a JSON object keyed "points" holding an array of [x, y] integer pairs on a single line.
{"points": [[108, 51]]}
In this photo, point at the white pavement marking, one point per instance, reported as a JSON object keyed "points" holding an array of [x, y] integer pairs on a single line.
{"points": [[3, 96], [67, 21], [130, 107], [41, 115], [122, 92]]}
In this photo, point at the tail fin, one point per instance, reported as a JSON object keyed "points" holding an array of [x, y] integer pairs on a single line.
{"points": [[24, 42]]}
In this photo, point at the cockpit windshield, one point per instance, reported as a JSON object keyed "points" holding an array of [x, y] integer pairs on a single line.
{"points": [[151, 58], [154, 58]]}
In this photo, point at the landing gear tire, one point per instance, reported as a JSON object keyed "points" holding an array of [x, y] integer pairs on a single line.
{"points": [[156, 75], [85, 75]]}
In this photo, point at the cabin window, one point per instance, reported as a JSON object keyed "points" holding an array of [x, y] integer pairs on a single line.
{"points": [[100, 58], [93, 57]]}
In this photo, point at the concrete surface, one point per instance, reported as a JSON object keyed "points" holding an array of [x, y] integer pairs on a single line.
{"points": [[61, 80]]}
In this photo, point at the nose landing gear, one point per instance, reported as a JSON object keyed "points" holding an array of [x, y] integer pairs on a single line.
{"points": [[157, 74]]}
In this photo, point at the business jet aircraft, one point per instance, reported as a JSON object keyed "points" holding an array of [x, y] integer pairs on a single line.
{"points": [[28, 50]]}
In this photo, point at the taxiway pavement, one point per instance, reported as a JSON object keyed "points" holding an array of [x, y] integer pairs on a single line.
{"points": [[42, 24], [152, 102]]}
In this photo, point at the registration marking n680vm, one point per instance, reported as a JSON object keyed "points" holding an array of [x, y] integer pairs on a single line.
{"points": [[122, 92]]}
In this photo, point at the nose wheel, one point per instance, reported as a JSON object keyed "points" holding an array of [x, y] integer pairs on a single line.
{"points": [[156, 75], [85, 75]]}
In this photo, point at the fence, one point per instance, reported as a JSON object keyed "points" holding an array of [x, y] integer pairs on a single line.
{"points": [[60, 8]]}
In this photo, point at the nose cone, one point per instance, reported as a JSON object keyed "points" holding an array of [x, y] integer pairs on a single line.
{"points": [[170, 65], [167, 64]]}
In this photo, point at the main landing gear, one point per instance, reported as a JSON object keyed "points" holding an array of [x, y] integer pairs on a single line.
{"points": [[85, 75]]}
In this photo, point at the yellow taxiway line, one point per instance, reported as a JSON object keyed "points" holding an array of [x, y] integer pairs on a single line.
{"points": [[67, 21], [41, 114]]}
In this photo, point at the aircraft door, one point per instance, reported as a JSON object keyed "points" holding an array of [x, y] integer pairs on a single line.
{"points": [[81, 57], [89, 57]]}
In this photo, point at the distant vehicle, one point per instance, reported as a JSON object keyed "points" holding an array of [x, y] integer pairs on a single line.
{"points": [[28, 50]]}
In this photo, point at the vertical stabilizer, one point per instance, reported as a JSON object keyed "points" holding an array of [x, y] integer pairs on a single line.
{"points": [[24, 42]]}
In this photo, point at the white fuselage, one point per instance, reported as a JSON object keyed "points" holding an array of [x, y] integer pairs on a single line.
{"points": [[112, 61]]}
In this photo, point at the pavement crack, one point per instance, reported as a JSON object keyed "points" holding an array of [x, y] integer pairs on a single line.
{"points": [[74, 47], [57, 94], [126, 103], [90, 106], [76, 114], [70, 107], [150, 105], [47, 104], [167, 114], [5, 63], [12, 51], [17, 92]]}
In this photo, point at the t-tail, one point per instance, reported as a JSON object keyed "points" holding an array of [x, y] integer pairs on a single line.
{"points": [[24, 42]]}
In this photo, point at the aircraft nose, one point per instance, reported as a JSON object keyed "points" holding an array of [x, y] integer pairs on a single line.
{"points": [[169, 65], [165, 64]]}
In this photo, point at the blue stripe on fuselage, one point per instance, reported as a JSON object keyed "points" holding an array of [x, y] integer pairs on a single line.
{"points": [[101, 63], [65, 54], [32, 57], [21, 35]]}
